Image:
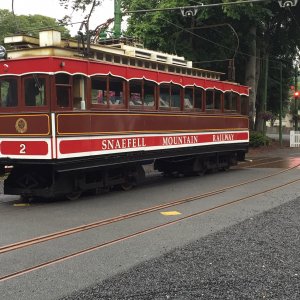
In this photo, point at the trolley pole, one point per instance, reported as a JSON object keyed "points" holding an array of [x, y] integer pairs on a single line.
{"points": [[118, 19]]}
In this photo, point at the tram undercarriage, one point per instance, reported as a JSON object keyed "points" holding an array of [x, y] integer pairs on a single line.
{"points": [[47, 182], [72, 178]]}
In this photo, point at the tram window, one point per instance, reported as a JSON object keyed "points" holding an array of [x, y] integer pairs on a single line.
{"points": [[230, 101], [132, 61], [63, 90], [198, 98], [100, 56], [235, 100], [209, 104], [35, 91], [218, 100], [154, 66], [141, 92], [149, 93], [63, 96], [116, 90], [8, 92], [62, 78], [164, 95], [171, 69], [135, 93], [108, 57], [161, 67], [193, 98], [244, 105], [175, 95], [188, 98], [107, 90], [99, 90], [140, 63]]}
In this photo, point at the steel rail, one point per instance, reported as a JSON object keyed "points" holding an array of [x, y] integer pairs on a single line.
{"points": [[263, 163], [74, 230], [138, 233]]}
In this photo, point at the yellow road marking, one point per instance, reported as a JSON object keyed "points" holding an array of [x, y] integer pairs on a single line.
{"points": [[21, 204], [170, 213]]}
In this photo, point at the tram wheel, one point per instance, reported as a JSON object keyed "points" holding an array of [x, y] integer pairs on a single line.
{"points": [[126, 186], [73, 195], [25, 198]]}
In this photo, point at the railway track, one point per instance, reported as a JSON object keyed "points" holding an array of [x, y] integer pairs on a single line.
{"points": [[8, 249], [246, 164], [44, 238], [260, 162]]}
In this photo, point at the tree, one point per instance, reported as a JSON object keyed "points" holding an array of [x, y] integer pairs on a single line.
{"points": [[15, 24], [79, 4], [267, 35]]}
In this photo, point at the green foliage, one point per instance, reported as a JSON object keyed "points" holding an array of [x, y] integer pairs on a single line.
{"points": [[267, 116], [78, 4], [277, 35], [30, 25], [258, 139]]}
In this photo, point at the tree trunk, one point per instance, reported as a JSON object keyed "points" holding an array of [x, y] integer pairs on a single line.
{"points": [[263, 95], [250, 73]]}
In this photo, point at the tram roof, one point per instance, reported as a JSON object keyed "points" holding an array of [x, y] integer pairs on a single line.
{"points": [[50, 43]]}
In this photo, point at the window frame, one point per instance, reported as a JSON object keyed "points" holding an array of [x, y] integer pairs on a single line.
{"points": [[230, 110], [170, 107], [18, 106], [47, 93], [213, 100], [107, 105], [221, 108], [194, 89], [241, 105], [143, 82], [68, 86]]}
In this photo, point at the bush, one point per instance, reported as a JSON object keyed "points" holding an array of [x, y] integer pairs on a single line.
{"points": [[258, 139]]}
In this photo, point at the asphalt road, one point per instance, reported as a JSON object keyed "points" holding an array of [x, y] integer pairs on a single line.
{"points": [[255, 259], [243, 251]]}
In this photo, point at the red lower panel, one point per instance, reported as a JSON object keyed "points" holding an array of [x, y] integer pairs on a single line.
{"points": [[140, 142], [24, 148]]}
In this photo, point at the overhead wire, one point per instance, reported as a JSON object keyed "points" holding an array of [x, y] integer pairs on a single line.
{"points": [[36, 29], [206, 39], [275, 59]]}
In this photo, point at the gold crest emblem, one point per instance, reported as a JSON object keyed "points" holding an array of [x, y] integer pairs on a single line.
{"points": [[21, 125]]}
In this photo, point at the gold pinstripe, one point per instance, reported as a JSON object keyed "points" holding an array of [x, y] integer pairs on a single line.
{"points": [[27, 134]]}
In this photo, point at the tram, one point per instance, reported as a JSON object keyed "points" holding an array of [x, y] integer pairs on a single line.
{"points": [[72, 122]]}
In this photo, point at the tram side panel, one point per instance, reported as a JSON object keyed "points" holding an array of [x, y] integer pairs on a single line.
{"points": [[100, 134], [61, 154]]}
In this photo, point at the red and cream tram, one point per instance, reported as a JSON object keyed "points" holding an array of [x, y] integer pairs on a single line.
{"points": [[70, 123]]}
